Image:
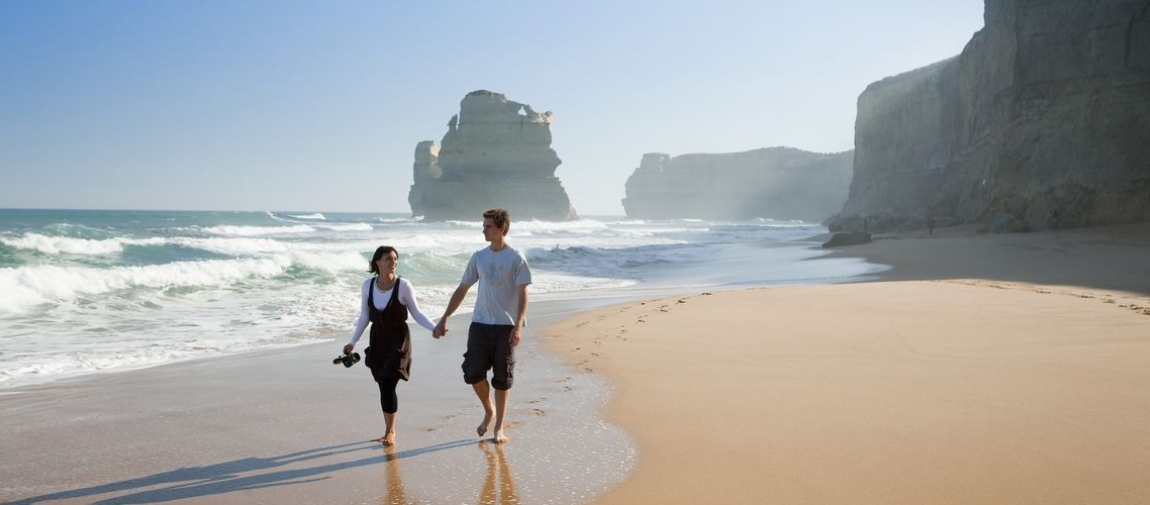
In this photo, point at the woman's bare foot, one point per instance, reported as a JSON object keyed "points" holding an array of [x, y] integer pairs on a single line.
{"points": [[387, 440], [499, 437], [482, 429]]}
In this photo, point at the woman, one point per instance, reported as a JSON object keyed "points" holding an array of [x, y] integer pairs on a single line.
{"points": [[386, 300]]}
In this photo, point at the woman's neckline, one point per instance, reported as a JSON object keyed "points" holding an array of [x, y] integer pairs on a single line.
{"points": [[379, 280]]}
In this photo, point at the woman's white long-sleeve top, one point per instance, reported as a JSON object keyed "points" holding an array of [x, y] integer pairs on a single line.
{"points": [[380, 297]]}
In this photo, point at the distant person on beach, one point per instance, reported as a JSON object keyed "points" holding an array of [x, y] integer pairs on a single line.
{"points": [[385, 301], [497, 323]]}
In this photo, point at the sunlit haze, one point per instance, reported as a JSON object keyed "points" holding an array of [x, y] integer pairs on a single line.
{"points": [[318, 106]]}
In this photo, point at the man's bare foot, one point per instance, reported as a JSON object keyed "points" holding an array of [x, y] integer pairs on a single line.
{"points": [[482, 429], [499, 437]]}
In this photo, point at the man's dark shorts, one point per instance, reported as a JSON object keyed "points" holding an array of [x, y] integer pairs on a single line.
{"points": [[489, 348]]}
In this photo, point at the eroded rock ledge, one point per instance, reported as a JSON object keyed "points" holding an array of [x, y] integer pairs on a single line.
{"points": [[1044, 118], [496, 153]]}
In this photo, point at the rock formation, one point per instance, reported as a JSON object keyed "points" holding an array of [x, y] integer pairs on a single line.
{"points": [[846, 238], [496, 153], [776, 183], [1043, 117]]}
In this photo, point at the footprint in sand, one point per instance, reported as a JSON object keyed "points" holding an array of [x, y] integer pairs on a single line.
{"points": [[538, 412]]}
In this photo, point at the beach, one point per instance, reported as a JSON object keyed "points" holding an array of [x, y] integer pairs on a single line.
{"points": [[980, 369], [977, 369]]}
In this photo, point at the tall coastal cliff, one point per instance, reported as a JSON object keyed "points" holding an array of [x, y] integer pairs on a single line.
{"points": [[496, 153], [776, 183], [1043, 120]]}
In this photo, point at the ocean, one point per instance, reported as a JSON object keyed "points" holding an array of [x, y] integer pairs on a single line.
{"points": [[92, 291]]}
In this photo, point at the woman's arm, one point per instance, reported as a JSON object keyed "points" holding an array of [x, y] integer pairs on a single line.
{"points": [[408, 298], [361, 323]]}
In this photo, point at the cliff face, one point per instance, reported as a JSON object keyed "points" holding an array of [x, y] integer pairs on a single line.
{"points": [[496, 153], [1045, 116], [776, 183]]}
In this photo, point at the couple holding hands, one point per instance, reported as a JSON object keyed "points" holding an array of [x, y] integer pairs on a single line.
{"points": [[496, 324]]}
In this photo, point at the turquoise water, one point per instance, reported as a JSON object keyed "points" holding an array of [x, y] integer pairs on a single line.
{"points": [[98, 291]]}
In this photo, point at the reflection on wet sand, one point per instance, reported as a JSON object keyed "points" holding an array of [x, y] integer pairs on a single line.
{"points": [[395, 493], [499, 487], [498, 484]]}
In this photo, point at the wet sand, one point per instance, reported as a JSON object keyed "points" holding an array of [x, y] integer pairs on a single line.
{"points": [[287, 426], [980, 369]]}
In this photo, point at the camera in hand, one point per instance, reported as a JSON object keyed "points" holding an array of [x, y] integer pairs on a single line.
{"points": [[347, 359]]}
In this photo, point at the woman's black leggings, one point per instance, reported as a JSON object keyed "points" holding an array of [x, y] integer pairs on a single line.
{"points": [[387, 398]]}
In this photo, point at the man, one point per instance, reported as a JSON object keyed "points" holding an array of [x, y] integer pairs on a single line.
{"points": [[497, 323]]}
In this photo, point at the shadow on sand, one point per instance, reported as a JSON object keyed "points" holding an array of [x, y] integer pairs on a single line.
{"points": [[236, 475]]}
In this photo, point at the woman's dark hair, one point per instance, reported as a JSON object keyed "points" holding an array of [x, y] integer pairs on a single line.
{"points": [[383, 249]]}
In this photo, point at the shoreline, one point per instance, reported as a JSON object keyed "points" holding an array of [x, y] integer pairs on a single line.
{"points": [[979, 369], [286, 425]]}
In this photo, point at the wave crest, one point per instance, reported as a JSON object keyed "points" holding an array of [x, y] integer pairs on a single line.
{"points": [[69, 245], [25, 287]]}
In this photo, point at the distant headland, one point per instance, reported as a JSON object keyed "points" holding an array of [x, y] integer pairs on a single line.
{"points": [[778, 182]]}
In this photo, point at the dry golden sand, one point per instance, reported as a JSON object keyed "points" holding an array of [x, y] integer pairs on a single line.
{"points": [[1020, 373]]}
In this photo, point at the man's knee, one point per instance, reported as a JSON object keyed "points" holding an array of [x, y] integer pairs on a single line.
{"points": [[502, 384], [474, 379]]}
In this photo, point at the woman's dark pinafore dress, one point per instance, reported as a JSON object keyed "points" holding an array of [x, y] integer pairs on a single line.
{"points": [[389, 350]]}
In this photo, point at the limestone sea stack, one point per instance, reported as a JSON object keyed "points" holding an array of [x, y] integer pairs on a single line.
{"points": [[780, 183], [496, 153], [1042, 121]]}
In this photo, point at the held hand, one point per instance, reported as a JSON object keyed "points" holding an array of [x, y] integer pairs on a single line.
{"points": [[348, 348], [440, 329]]}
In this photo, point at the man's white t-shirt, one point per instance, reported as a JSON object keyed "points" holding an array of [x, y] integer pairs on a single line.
{"points": [[499, 275]]}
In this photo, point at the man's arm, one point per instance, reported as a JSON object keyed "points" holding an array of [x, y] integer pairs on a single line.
{"points": [[456, 299], [522, 305]]}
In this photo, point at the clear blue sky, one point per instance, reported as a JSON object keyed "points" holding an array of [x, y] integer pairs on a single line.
{"points": [[318, 105]]}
